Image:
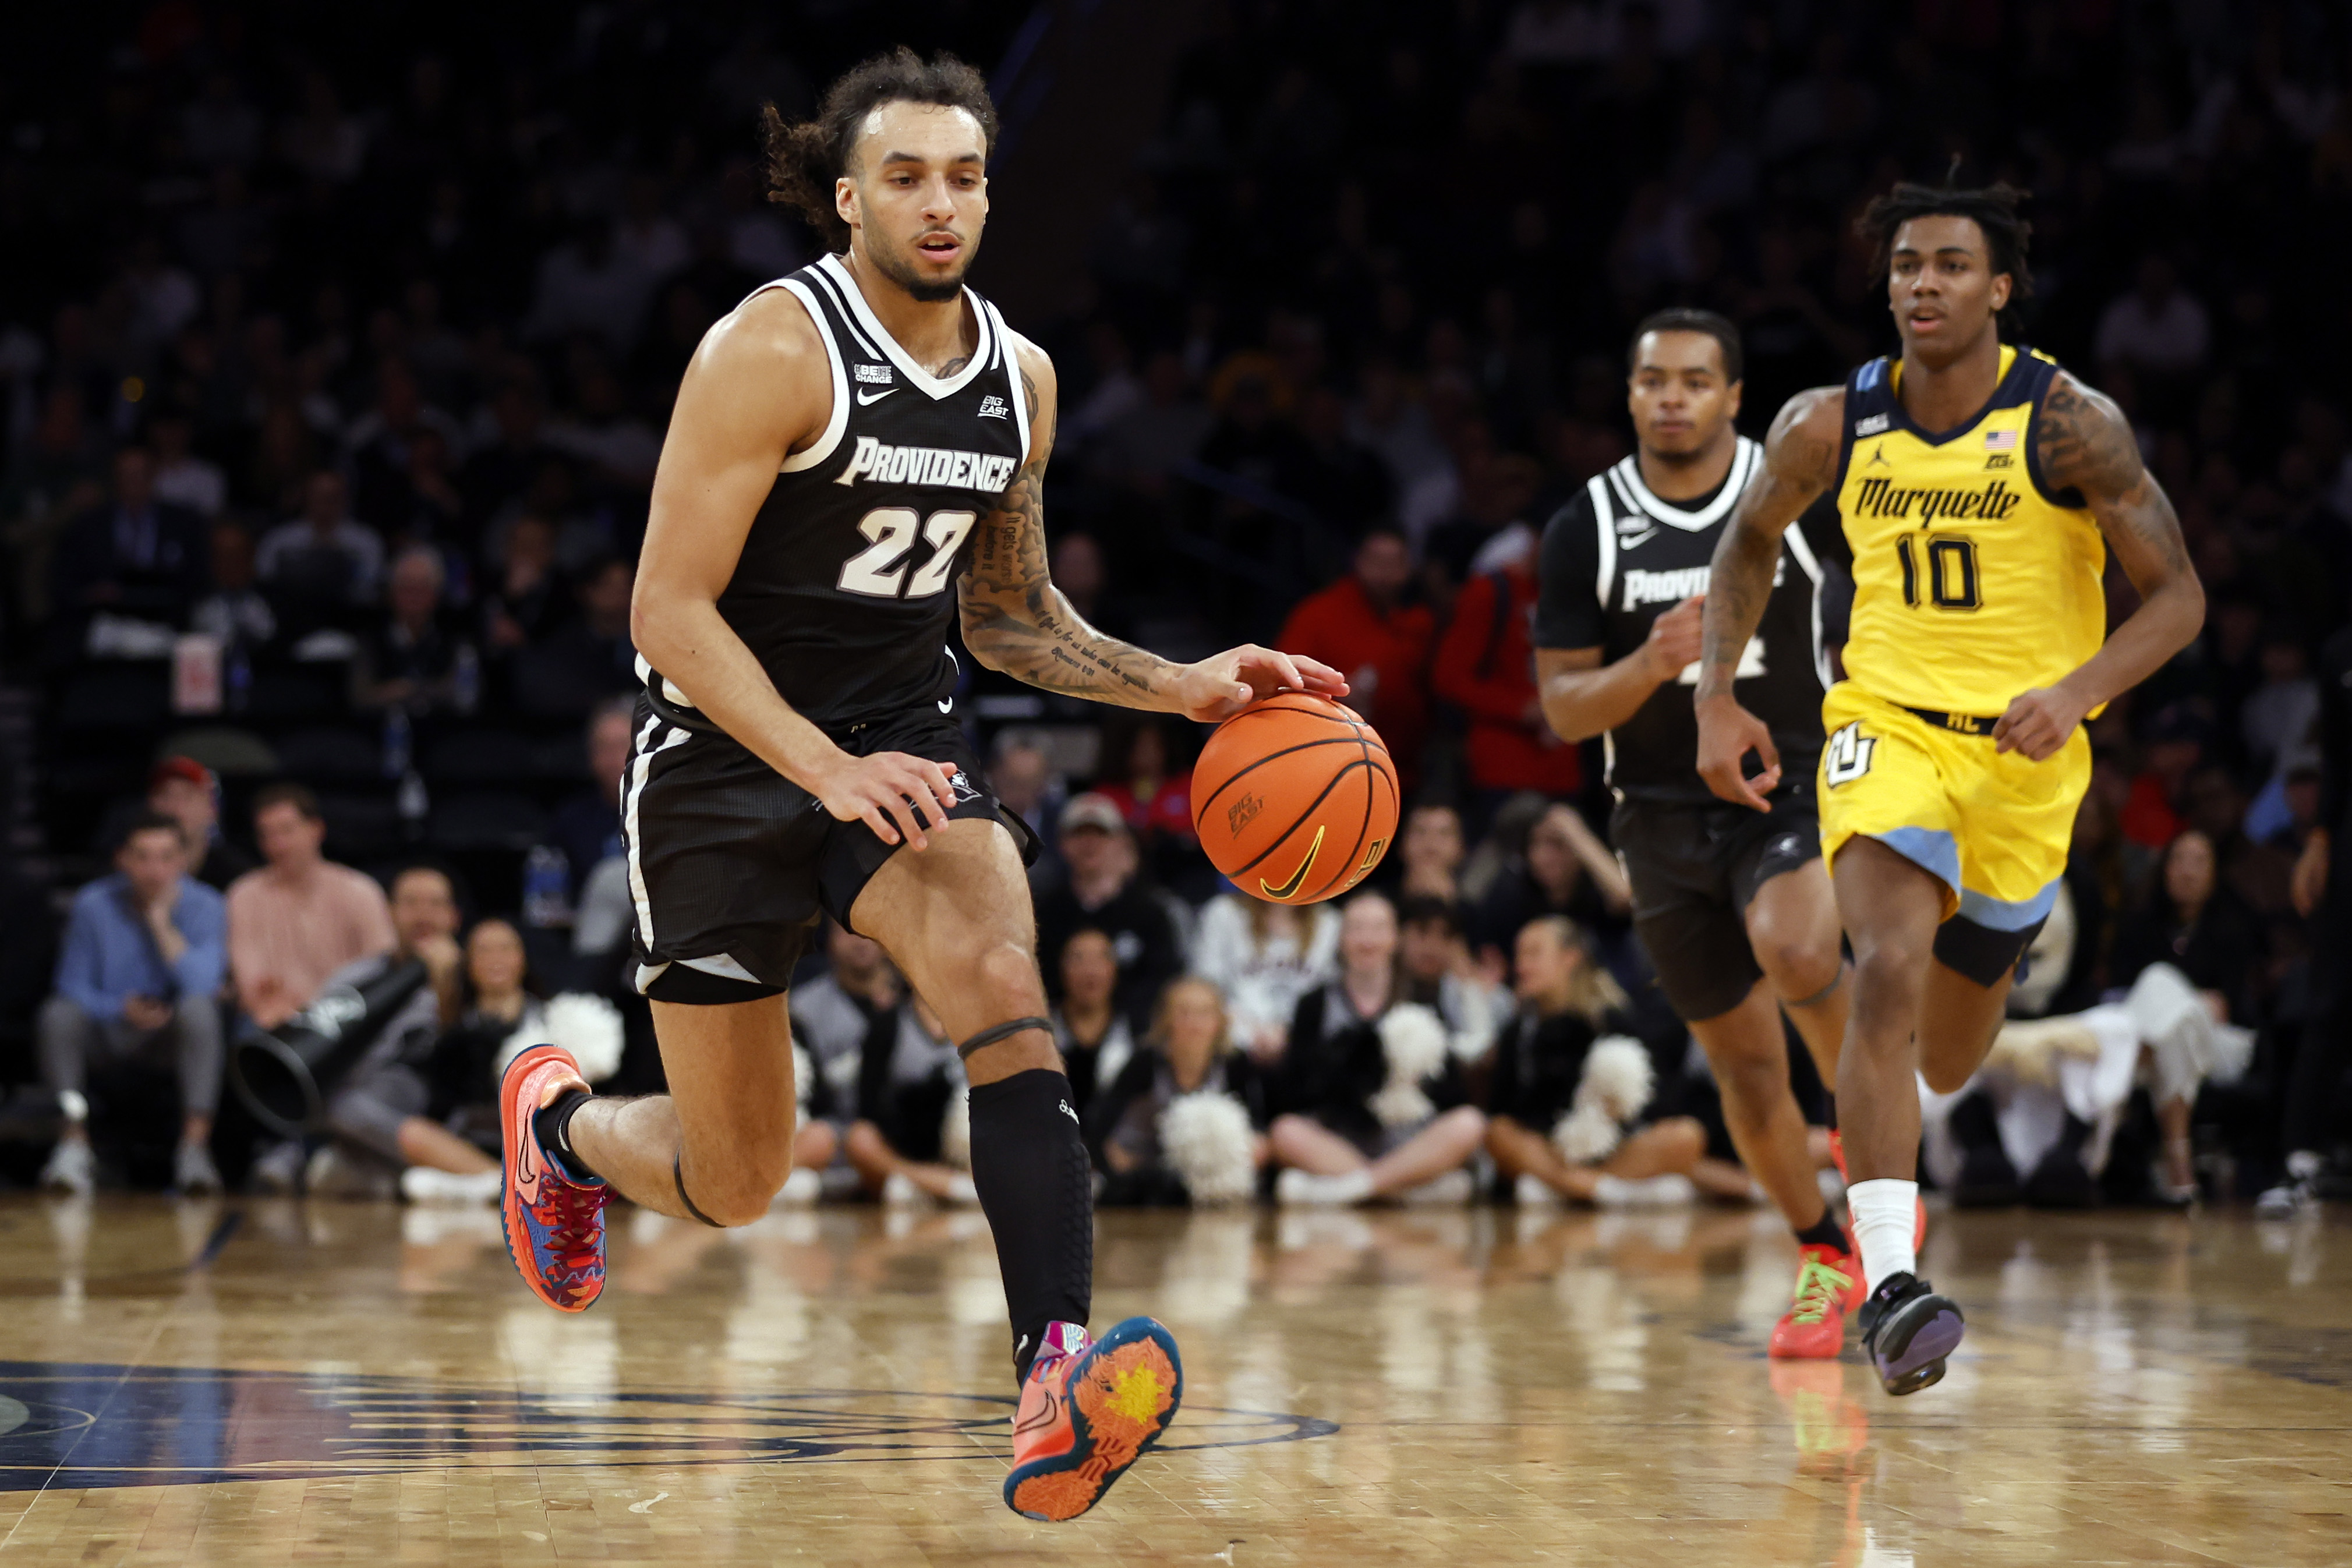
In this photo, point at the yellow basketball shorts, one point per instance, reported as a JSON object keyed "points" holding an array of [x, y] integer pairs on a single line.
{"points": [[1992, 826]]}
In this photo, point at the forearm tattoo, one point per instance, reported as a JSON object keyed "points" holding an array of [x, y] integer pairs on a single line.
{"points": [[1016, 620], [1799, 460]]}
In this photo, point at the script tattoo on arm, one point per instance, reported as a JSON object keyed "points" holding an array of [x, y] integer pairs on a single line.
{"points": [[1799, 460], [1016, 620]]}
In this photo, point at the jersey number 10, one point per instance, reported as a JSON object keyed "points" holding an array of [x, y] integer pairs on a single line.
{"points": [[1952, 582], [879, 570]]}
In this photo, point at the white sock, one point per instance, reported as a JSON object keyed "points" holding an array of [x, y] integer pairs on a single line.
{"points": [[1883, 1214]]}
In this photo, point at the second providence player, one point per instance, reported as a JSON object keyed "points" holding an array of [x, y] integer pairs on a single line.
{"points": [[1733, 908]]}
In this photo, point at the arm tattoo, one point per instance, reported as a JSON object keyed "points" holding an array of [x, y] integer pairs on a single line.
{"points": [[1799, 460], [1016, 620], [2084, 443]]}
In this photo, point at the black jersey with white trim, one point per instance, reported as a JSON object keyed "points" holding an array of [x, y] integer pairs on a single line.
{"points": [[845, 588], [1616, 558]]}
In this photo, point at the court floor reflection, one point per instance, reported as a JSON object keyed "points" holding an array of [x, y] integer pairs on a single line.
{"points": [[272, 1382]]}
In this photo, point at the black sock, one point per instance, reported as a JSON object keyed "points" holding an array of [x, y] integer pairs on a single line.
{"points": [[551, 1126], [1038, 1189], [1824, 1232]]}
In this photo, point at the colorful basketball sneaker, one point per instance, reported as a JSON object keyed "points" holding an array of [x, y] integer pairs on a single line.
{"points": [[1907, 1330], [554, 1225], [1087, 1411], [1920, 1219], [1828, 1284]]}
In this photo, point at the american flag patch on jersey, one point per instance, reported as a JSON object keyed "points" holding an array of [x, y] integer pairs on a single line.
{"points": [[2000, 440]]}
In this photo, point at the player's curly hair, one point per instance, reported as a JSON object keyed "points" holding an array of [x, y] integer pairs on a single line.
{"points": [[1994, 208], [807, 158]]}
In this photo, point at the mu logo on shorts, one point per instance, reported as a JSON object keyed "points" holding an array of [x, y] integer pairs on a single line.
{"points": [[1848, 755]]}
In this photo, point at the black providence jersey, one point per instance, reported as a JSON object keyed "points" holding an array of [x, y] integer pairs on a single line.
{"points": [[845, 589], [1617, 557]]}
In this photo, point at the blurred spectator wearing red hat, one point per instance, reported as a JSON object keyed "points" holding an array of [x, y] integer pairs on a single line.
{"points": [[186, 791]]}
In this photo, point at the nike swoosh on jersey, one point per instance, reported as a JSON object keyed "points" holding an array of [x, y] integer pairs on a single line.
{"points": [[1637, 540], [865, 397]]}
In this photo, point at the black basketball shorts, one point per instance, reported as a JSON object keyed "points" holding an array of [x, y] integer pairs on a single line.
{"points": [[731, 863], [1695, 868]]}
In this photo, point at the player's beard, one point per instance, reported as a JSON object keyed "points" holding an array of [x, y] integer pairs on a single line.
{"points": [[895, 265]]}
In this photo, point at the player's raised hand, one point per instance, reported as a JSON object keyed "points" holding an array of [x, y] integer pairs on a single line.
{"points": [[1726, 734], [883, 790], [2038, 723], [1223, 685], [1675, 639]]}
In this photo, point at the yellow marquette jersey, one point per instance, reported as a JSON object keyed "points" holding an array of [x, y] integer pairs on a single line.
{"points": [[1973, 580]]}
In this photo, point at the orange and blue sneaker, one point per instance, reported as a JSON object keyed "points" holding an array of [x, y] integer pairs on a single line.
{"points": [[1089, 1410], [1829, 1285], [555, 1225], [1920, 1219]]}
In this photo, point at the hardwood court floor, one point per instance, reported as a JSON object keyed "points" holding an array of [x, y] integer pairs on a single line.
{"points": [[257, 1383]]}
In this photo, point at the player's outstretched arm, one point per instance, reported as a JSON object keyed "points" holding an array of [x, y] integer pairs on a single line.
{"points": [[2083, 441], [1799, 462], [1016, 620], [759, 387]]}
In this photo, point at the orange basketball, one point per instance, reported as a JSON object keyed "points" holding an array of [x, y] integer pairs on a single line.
{"points": [[1295, 799]]}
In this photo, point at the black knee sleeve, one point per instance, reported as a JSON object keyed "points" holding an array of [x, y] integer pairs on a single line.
{"points": [[1037, 1188]]}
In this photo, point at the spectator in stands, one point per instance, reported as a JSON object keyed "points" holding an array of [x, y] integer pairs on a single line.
{"points": [[1104, 891], [1021, 769], [140, 976], [2278, 714], [182, 478], [499, 469], [525, 599], [300, 916], [1265, 958], [376, 1110], [184, 790], [1567, 1003], [586, 827], [1486, 666], [1437, 970], [410, 659], [1093, 1038], [834, 1016], [1144, 447], [1362, 626], [1427, 861], [235, 611], [324, 559], [135, 556], [590, 656], [2158, 330], [1372, 1090], [1189, 1051], [1567, 870], [908, 1080], [2192, 921]]}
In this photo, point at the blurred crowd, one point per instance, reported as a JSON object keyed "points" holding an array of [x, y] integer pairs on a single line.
{"points": [[337, 362]]}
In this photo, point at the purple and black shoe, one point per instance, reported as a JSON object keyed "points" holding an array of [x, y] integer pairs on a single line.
{"points": [[1907, 1330]]}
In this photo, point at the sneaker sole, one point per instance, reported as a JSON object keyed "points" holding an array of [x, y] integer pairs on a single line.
{"points": [[1916, 1361], [510, 1129], [1125, 1396]]}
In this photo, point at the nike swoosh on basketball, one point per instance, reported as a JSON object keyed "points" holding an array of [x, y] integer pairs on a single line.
{"points": [[865, 397]]}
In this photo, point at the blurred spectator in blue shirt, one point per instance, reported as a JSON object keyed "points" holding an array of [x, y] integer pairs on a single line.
{"points": [[146, 950]]}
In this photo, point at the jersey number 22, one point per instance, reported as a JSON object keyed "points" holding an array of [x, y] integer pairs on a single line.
{"points": [[879, 570]]}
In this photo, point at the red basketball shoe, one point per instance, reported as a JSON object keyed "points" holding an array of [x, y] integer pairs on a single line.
{"points": [[1087, 1411], [1829, 1285], [554, 1225]]}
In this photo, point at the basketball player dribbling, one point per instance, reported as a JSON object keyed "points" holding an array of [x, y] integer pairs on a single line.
{"points": [[1975, 481], [849, 445]]}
